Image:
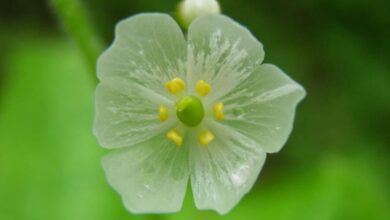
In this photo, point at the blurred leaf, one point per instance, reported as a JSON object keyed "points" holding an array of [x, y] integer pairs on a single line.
{"points": [[49, 161]]}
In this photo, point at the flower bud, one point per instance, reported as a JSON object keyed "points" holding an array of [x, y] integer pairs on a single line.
{"points": [[188, 10]]}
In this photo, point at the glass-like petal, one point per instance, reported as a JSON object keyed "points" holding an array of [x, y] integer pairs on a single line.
{"points": [[263, 107], [221, 52], [225, 170], [148, 48], [128, 113], [151, 177]]}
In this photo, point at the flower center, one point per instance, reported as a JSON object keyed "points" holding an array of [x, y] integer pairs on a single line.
{"points": [[190, 111]]}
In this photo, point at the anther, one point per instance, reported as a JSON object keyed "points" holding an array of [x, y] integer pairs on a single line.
{"points": [[202, 88], [175, 86], [163, 113], [218, 111], [206, 137], [175, 137]]}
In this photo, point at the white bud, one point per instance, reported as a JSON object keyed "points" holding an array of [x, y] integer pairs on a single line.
{"points": [[188, 10]]}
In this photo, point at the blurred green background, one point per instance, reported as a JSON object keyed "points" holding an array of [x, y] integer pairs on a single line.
{"points": [[334, 166]]}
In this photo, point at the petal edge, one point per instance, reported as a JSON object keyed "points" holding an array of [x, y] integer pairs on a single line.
{"points": [[263, 107], [150, 177]]}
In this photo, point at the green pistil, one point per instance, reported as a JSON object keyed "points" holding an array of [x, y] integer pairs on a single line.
{"points": [[190, 111]]}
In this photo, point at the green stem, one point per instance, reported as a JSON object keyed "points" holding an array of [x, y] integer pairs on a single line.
{"points": [[74, 17]]}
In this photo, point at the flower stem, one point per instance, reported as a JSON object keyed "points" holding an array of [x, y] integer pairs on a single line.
{"points": [[74, 17]]}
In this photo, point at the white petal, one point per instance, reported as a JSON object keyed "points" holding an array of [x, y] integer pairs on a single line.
{"points": [[150, 177], [148, 48], [128, 113], [225, 170], [263, 107], [221, 52]]}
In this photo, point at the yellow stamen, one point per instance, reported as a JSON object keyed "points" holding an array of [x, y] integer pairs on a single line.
{"points": [[206, 137], [175, 137], [218, 111], [202, 88], [163, 113], [175, 86]]}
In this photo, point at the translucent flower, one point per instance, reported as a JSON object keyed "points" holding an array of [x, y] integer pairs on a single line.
{"points": [[202, 108]]}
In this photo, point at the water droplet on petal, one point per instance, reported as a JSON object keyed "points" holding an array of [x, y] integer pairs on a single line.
{"points": [[139, 195], [240, 176]]}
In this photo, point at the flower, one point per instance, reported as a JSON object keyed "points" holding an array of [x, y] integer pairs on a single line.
{"points": [[203, 108]]}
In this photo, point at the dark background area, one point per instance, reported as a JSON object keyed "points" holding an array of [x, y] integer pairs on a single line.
{"points": [[334, 166]]}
